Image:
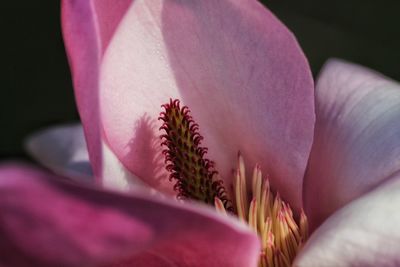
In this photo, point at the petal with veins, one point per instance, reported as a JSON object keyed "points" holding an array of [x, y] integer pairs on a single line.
{"points": [[364, 233], [49, 222], [357, 137]]}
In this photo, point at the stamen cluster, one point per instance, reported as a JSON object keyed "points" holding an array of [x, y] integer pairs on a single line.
{"points": [[195, 175], [270, 217]]}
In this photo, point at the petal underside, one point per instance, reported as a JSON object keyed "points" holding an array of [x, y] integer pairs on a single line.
{"points": [[357, 137], [365, 232]]}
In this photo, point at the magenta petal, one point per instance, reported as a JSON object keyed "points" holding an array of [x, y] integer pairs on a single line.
{"points": [[364, 233], [47, 222], [233, 63], [357, 137]]}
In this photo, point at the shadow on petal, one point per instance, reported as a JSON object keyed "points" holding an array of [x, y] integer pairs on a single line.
{"points": [[145, 155]]}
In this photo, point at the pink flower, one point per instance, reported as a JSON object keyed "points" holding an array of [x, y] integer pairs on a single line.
{"points": [[249, 87]]}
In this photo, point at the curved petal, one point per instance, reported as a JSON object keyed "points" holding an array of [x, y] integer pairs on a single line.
{"points": [[62, 149], [83, 50], [88, 26], [357, 137], [233, 63], [84, 226], [363, 233]]}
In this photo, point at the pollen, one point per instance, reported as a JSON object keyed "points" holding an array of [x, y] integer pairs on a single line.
{"points": [[282, 236], [195, 176]]}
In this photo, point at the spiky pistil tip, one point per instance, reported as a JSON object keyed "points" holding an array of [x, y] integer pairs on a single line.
{"points": [[195, 176]]}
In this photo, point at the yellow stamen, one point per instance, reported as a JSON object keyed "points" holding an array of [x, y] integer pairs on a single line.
{"points": [[219, 205], [303, 225], [253, 215], [267, 214], [242, 175]]}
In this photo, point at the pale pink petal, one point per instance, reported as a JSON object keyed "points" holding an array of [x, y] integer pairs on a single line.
{"points": [[363, 233], [62, 149], [357, 137], [48, 222], [233, 63], [117, 176], [87, 29]]}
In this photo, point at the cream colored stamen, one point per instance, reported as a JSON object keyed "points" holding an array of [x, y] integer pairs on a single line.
{"points": [[269, 216]]}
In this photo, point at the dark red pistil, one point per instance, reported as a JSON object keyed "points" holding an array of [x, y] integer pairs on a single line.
{"points": [[195, 176]]}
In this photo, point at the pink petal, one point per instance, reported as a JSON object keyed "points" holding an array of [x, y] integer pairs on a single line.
{"points": [[87, 28], [83, 49], [47, 222], [116, 176], [363, 233], [62, 149], [357, 137], [233, 63]]}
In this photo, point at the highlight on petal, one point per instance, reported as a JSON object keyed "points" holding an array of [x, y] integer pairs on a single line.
{"points": [[48, 222], [236, 66], [357, 137], [365, 232], [62, 149]]}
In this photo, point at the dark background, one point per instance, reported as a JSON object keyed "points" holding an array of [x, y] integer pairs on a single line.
{"points": [[36, 89]]}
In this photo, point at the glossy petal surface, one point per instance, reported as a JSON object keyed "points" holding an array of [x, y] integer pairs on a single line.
{"points": [[48, 222], [357, 137], [363, 233]]}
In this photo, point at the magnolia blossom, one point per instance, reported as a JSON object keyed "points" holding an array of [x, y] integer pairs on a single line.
{"points": [[249, 87]]}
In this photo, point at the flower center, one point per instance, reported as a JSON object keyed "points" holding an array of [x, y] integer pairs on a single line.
{"points": [[269, 216], [195, 178]]}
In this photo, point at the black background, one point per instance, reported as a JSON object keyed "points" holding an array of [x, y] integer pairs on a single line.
{"points": [[36, 89]]}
